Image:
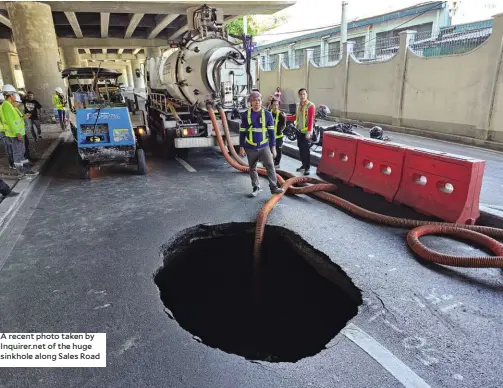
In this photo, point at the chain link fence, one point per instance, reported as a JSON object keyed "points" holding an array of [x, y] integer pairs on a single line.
{"points": [[448, 41]]}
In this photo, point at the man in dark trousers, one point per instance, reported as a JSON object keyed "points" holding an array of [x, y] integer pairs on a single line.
{"points": [[257, 141], [5, 189], [304, 121], [32, 107], [279, 126]]}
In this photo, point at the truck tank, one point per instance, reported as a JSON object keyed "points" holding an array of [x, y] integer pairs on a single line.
{"points": [[197, 70]]}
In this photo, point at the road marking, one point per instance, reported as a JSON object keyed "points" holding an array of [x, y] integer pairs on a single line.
{"points": [[384, 357], [187, 166]]}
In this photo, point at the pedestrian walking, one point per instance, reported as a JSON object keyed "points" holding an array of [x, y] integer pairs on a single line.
{"points": [[277, 95], [279, 126], [304, 121], [257, 141], [15, 129], [33, 107], [5, 189], [59, 102], [3, 136]]}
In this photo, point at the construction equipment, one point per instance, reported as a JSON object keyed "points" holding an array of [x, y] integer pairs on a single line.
{"points": [[100, 121]]}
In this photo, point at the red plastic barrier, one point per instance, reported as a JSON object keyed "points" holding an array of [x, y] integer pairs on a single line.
{"points": [[339, 155], [378, 167], [442, 185]]}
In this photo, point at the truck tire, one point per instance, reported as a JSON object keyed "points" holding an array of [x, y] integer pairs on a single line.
{"points": [[83, 168], [142, 163], [182, 153], [169, 145]]}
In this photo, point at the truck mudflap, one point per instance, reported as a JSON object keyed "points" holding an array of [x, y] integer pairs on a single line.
{"points": [[195, 142], [108, 154]]}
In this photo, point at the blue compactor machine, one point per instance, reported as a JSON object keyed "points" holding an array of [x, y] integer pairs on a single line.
{"points": [[100, 121]]}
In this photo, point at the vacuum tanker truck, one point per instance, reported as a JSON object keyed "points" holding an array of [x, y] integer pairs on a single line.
{"points": [[205, 66]]}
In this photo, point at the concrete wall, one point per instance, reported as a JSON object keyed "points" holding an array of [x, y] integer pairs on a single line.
{"points": [[455, 94]]}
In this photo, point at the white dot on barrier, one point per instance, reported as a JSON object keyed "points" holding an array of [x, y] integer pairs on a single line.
{"points": [[446, 188], [343, 158], [420, 179], [386, 170], [331, 154], [368, 164]]}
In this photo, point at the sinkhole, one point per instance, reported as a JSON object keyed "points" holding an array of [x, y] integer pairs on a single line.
{"points": [[207, 282]]}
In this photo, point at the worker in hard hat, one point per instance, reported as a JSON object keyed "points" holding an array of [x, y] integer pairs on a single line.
{"points": [[15, 129], [3, 136], [257, 141], [17, 103], [59, 102]]}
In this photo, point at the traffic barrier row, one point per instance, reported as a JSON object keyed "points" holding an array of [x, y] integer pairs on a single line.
{"points": [[438, 184]]}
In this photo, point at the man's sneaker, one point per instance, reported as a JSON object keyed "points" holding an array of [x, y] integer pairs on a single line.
{"points": [[255, 192], [277, 190], [300, 169], [307, 172], [31, 173]]}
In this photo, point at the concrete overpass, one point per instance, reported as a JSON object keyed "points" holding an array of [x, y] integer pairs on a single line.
{"points": [[41, 38]]}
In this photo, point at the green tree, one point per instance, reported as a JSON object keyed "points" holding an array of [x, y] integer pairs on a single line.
{"points": [[255, 27]]}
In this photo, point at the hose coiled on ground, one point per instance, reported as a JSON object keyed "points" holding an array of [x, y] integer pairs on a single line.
{"points": [[474, 233]]}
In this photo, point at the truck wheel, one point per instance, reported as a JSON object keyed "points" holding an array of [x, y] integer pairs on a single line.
{"points": [[83, 168], [142, 163], [169, 144]]}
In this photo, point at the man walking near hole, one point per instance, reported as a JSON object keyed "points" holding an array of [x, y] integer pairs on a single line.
{"points": [[279, 126], [257, 141], [304, 122], [32, 107], [59, 102]]}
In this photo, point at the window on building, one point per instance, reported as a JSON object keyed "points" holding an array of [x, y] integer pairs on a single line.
{"points": [[299, 57], [317, 55], [359, 47], [263, 63], [388, 39], [334, 51]]}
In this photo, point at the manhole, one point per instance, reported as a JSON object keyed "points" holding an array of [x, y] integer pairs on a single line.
{"points": [[207, 284]]}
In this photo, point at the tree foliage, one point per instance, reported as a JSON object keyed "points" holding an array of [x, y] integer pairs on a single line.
{"points": [[255, 26]]}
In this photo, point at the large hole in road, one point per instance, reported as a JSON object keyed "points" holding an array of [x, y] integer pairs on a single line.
{"points": [[207, 284]]}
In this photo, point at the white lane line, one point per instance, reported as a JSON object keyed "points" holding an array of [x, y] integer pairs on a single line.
{"points": [[187, 166], [383, 356]]}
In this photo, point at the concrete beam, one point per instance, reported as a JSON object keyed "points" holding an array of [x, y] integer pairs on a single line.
{"points": [[6, 45], [244, 7], [120, 51], [133, 23], [105, 21], [104, 51], [112, 57], [135, 52], [5, 21], [185, 28], [116, 43], [72, 18], [166, 20], [88, 51]]}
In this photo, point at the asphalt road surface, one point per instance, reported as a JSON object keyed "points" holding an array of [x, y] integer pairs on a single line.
{"points": [[492, 185], [80, 257]]}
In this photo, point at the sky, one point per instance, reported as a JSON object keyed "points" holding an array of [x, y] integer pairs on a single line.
{"points": [[309, 14]]}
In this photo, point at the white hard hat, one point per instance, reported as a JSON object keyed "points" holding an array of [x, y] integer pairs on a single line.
{"points": [[18, 97], [59, 90], [8, 88]]}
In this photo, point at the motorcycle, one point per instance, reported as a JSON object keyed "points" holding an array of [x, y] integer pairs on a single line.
{"points": [[290, 131]]}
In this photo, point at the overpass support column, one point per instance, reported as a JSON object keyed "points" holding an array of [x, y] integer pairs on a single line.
{"points": [[37, 48], [70, 56], [139, 82], [130, 78], [7, 70], [153, 52]]}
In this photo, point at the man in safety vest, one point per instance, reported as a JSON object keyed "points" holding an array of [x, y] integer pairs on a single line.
{"points": [[279, 126], [15, 129], [3, 136], [58, 100], [304, 121], [257, 141]]}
